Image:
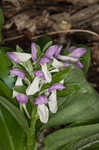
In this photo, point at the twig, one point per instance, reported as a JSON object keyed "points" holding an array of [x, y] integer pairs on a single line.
{"points": [[13, 38], [67, 31], [53, 33]]}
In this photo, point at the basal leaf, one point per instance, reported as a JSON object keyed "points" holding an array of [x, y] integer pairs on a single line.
{"points": [[56, 140], [6, 141], [86, 143], [14, 111], [4, 90], [81, 106], [13, 134]]}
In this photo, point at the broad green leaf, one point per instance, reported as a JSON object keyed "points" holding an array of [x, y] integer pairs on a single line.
{"points": [[9, 81], [86, 143], [6, 142], [14, 111], [14, 135], [56, 140], [4, 90], [5, 65], [78, 107]]}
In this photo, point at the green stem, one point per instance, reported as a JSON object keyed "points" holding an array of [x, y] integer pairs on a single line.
{"points": [[31, 140]]}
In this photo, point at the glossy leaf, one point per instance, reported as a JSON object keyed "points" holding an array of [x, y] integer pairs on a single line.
{"points": [[5, 136], [4, 90], [14, 111], [11, 137], [86, 143], [57, 139], [79, 107]]}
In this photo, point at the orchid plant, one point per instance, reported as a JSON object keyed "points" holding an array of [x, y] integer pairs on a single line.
{"points": [[45, 89], [51, 62]]}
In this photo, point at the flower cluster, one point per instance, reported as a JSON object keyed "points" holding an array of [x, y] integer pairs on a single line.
{"points": [[43, 74]]}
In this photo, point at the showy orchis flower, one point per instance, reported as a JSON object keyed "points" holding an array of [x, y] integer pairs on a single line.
{"points": [[20, 75], [52, 102], [41, 100], [73, 57], [79, 64], [34, 51], [43, 62], [53, 51], [17, 72], [19, 57], [22, 98], [78, 52], [51, 62], [39, 73], [42, 108], [50, 52], [56, 86]]}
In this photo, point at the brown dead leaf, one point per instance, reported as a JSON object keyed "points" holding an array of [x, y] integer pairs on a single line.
{"points": [[82, 2], [95, 53]]}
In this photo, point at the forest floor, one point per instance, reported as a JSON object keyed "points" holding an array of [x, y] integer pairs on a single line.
{"points": [[74, 21]]}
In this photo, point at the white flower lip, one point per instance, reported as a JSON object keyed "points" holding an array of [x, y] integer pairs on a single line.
{"points": [[53, 102], [43, 113], [46, 72], [67, 58], [57, 64], [18, 83], [34, 86]]}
